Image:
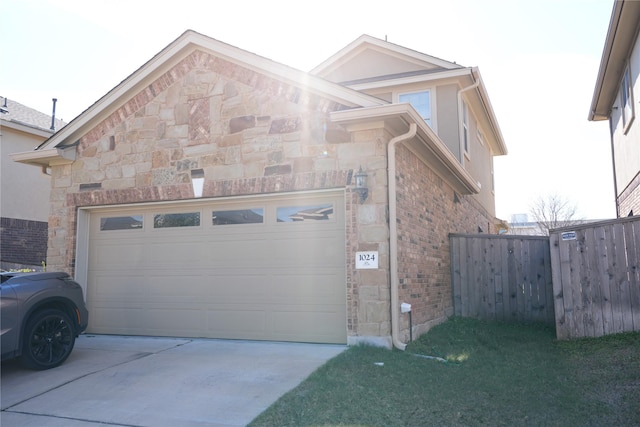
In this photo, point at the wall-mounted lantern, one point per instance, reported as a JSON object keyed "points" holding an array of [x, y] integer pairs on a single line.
{"points": [[197, 181], [361, 185]]}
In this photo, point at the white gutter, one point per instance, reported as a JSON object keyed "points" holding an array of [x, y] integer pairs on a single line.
{"points": [[393, 233]]}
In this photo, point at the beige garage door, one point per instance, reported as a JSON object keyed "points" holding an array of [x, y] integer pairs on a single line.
{"points": [[270, 268]]}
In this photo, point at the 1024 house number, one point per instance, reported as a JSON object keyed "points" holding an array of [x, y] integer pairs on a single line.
{"points": [[368, 259]]}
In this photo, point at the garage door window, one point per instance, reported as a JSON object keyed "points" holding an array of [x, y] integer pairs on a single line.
{"points": [[305, 213], [170, 220], [133, 222], [240, 216]]}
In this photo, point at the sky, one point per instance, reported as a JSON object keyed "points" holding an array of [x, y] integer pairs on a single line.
{"points": [[539, 61]]}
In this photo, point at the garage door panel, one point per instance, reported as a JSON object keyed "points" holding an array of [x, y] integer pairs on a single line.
{"points": [[241, 321], [256, 253], [175, 254], [271, 280], [116, 286], [309, 286], [319, 326], [309, 250], [147, 321], [119, 254]]}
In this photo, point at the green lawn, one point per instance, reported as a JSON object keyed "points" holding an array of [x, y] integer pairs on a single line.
{"points": [[495, 374]]}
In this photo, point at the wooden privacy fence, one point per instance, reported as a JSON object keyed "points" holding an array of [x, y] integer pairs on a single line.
{"points": [[596, 278], [502, 277]]}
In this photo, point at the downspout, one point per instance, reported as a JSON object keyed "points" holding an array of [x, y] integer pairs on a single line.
{"points": [[393, 233], [460, 113]]}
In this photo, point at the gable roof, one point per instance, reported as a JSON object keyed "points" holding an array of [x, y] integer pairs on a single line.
{"points": [[179, 49], [393, 60], [621, 37], [18, 116]]}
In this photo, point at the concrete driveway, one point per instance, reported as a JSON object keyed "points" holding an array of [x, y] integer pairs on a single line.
{"points": [[143, 381]]}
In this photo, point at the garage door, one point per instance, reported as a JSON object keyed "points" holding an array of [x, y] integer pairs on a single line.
{"points": [[270, 268]]}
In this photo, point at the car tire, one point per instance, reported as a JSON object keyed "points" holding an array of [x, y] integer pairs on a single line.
{"points": [[48, 339]]}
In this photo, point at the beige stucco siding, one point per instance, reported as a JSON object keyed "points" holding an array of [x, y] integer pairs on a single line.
{"points": [[448, 122], [24, 189]]}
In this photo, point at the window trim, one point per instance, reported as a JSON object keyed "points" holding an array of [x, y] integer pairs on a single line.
{"points": [[626, 100], [174, 215], [480, 137], [432, 104], [466, 143]]}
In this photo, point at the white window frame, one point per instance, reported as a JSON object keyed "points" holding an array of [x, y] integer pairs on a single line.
{"points": [[432, 103], [493, 179], [626, 100], [466, 143]]}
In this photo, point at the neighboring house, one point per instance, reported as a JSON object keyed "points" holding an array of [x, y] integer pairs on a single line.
{"points": [[616, 97], [24, 190], [213, 193], [520, 225]]}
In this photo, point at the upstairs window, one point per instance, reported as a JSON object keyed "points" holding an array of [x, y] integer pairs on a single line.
{"points": [[421, 101], [465, 128], [626, 95]]}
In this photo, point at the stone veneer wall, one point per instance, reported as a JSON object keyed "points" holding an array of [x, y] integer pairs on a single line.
{"points": [[428, 210], [370, 291]]}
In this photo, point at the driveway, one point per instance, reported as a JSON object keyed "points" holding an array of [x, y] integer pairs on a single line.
{"points": [[144, 381]]}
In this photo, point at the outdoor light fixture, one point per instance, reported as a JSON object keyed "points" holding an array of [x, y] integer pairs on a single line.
{"points": [[197, 181], [361, 185]]}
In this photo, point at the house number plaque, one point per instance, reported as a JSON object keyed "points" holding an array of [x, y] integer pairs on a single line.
{"points": [[367, 259]]}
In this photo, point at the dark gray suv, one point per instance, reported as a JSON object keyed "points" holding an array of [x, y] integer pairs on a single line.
{"points": [[41, 316]]}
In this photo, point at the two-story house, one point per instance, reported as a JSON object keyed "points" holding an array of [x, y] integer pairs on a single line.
{"points": [[216, 193], [24, 190], [616, 94]]}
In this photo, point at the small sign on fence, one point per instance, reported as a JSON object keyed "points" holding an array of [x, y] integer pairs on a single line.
{"points": [[568, 235]]}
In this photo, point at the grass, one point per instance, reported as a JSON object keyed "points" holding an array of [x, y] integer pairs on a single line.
{"points": [[495, 374]]}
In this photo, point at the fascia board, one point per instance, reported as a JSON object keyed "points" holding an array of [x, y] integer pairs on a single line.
{"points": [[445, 160], [42, 157], [179, 49], [25, 128], [500, 147], [431, 77], [621, 36]]}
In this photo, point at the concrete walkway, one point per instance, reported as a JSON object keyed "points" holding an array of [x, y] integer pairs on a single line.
{"points": [[143, 381]]}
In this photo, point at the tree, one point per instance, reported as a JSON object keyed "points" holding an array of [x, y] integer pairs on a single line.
{"points": [[554, 211]]}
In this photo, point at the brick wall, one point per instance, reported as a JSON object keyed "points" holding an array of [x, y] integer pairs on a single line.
{"points": [[23, 243], [428, 210], [629, 200]]}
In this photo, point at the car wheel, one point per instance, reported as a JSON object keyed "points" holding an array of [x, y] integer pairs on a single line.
{"points": [[48, 339]]}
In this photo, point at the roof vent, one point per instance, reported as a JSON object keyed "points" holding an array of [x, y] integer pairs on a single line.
{"points": [[53, 115]]}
